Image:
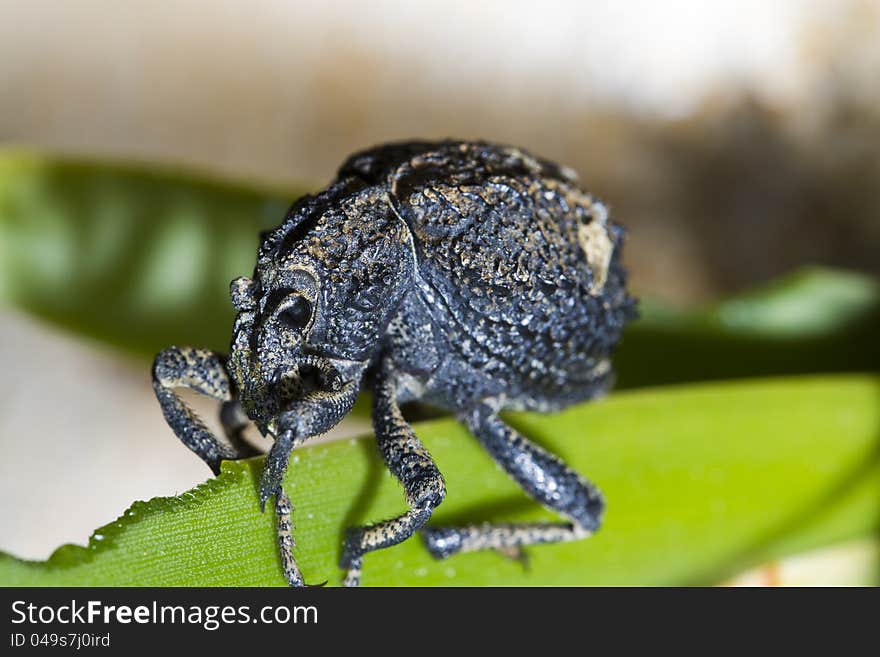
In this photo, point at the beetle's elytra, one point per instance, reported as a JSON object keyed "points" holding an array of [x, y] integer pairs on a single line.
{"points": [[471, 276]]}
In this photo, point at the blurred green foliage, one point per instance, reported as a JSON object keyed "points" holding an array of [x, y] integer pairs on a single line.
{"points": [[134, 256], [814, 320]]}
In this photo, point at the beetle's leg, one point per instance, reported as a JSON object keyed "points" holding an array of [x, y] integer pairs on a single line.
{"points": [[542, 475], [410, 462], [234, 422], [273, 468], [313, 415], [203, 371], [283, 511]]}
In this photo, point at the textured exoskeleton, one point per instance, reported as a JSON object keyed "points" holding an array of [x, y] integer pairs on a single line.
{"points": [[470, 276]]}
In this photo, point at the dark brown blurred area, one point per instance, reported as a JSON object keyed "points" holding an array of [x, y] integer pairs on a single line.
{"points": [[749, 197], [752, 197]]}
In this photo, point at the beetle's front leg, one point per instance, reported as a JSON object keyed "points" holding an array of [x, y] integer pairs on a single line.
{"points": [[312, 415], [205, 372]]}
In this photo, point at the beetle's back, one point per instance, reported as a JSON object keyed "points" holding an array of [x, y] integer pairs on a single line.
{"points": [[523, 265]]}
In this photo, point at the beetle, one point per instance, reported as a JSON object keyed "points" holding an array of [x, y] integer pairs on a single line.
{"points": [[471, 276]]}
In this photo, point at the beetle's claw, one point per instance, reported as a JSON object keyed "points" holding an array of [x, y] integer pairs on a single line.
{"points": [[274, 467], [265, 493]]}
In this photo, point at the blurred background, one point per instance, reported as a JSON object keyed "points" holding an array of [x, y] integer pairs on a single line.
{"points": [[735, 140]]}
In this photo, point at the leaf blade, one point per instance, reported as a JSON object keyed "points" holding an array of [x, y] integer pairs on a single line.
{"points": [[682, 509]]}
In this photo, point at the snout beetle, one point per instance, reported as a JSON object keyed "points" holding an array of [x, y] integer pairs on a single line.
{"points": [[473, 277]]}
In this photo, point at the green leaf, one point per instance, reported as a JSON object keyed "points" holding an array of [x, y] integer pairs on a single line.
{"points": [[814, 320], [700, 482]]}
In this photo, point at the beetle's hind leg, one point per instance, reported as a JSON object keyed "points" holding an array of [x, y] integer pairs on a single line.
{"points": [[205, 372], [411, 464], [542, 475]]}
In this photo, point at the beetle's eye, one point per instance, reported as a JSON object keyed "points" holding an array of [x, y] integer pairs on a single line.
{"points": [[296, 313]]}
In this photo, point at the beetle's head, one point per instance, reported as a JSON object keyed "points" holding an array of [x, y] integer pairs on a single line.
{"points": [[311, 320]]}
